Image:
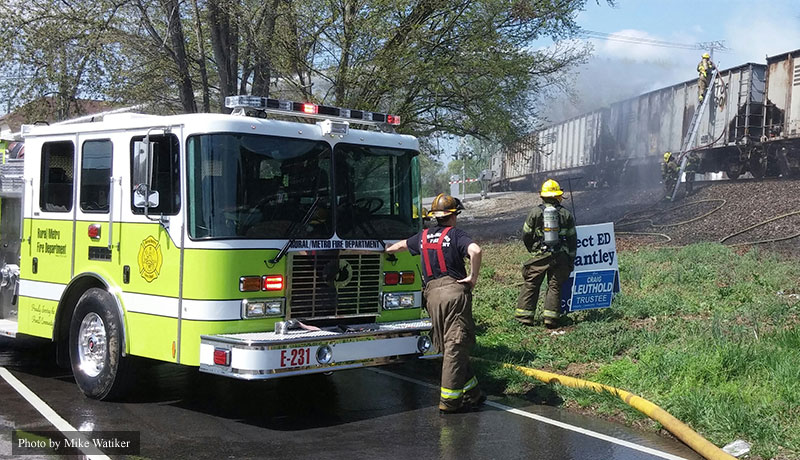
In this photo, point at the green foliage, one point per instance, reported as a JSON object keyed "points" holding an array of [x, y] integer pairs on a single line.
{"points": [[708, 335], [460, 68]]}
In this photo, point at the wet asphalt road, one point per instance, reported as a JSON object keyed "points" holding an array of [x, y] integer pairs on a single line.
{"points": [[385, 413]]}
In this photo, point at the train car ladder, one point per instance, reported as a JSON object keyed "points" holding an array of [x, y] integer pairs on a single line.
{"points": [[692, 133]]}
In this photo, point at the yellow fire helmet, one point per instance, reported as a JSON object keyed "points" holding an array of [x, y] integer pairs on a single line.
{"points": [[706, 56], [444, 205], [667, 156], [550, 188]]}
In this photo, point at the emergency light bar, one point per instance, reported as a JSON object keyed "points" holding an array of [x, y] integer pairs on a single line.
{"points": [[306, 109]]}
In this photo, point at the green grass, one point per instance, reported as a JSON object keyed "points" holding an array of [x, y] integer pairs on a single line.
{"points": [[706, 333]]}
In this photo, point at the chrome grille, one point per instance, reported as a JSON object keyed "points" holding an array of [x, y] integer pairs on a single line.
{"points": [[314, 292]]}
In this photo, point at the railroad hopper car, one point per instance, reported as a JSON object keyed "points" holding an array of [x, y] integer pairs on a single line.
{"points": [[741, 130]]}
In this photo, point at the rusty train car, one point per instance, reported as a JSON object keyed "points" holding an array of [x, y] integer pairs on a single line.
{"points": [[751, 125]]}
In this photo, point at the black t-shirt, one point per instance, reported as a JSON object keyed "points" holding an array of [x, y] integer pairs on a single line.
{"points": [[454, 248]]}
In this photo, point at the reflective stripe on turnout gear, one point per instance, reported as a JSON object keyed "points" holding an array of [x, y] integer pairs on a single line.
{"points": [[425, 246], [550, 314], [472, 383], [447, 393], [520, 313]]}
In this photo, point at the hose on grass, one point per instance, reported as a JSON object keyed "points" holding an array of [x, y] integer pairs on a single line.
{"points": [[649, 220], [771, 240], [679, 429], [663, 235]]}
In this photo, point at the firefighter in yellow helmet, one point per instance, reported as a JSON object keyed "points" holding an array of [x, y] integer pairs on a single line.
{"points": [[704, 70], [669, 174], [448, 294], [550, 237]]}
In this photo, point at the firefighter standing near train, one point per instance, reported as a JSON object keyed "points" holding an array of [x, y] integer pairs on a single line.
{"points": [[448, 294], [549, 235], [669, 174]]}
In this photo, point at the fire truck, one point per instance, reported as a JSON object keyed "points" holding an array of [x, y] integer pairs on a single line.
{"points": [[250, 247]]}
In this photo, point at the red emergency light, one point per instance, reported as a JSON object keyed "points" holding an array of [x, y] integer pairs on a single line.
{"points": [[391, 278], [94, 231], [310, 108], [273, 283]]}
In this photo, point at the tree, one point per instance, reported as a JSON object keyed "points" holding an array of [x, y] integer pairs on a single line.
{"points": [[434, 178], [464, 67], [57, 50]]}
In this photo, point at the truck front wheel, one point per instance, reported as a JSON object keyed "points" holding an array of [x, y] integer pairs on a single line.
{"points": [[95, 346]]}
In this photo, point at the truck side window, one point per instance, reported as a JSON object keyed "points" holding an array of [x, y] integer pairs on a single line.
{"points": [[166, 174], [95, 175], [57, 179]]}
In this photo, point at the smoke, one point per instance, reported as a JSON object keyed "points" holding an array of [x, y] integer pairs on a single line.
{"points": [[604, 80], [617, 70]]}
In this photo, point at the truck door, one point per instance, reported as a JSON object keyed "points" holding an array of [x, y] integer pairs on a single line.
{"points": [[150, 246], [98, 200]]}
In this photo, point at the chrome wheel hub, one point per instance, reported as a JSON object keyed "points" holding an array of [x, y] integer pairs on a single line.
{"points": [[92, 345]]}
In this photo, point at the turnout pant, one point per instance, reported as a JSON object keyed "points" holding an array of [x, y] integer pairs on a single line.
{"points": [[453, 333], [557, 268], [702, 84]]}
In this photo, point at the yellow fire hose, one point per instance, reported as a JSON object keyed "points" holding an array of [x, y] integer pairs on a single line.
{"points": [[679, 429]]}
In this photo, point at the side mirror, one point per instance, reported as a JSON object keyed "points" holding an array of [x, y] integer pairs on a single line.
{"points": [[142, 153], [139, 192], [142, 165]]}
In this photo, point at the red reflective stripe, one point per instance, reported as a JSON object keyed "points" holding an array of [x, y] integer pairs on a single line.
{"points": [[424, 252], [436, 247], [442, 264]]}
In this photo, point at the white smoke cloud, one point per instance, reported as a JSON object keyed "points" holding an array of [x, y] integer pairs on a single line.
{"points": [[760, 33]]}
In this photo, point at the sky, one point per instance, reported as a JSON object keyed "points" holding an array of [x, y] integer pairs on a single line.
{"points": [[751, 29]]}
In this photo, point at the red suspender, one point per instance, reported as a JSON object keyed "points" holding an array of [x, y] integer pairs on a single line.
{"points": [[425, 246]]}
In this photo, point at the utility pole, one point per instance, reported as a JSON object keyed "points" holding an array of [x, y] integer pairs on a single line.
{"points": [[711, 46]]}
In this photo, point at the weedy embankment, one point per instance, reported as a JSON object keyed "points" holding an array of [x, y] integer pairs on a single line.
{"points": [[708, 333]]}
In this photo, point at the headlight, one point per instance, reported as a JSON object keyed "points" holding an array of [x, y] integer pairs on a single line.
{"points": [[423, 343], [252, 308], [324, 354], [392, 300]]}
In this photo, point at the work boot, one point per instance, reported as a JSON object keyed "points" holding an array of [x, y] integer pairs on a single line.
{"points": [[453, 409], [551, 323], [475, 398], [528, 321]]}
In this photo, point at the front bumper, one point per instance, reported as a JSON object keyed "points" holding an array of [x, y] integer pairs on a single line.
{"points": [[267, 355]]}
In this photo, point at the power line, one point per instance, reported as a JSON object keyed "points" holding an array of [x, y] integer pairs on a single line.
{"points": [[714, 45]]}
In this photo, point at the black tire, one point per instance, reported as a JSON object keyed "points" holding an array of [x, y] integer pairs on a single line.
{"points": [[95, 347], [758, 166], [733, 170]]}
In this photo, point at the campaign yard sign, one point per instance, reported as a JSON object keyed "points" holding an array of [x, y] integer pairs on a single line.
{"points": [[595, 278]]}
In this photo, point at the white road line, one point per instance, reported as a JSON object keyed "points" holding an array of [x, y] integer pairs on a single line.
{"points": [[543, 419], [48, 413]]}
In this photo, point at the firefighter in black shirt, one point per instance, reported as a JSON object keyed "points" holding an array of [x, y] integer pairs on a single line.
{"points": [[448, 293]]}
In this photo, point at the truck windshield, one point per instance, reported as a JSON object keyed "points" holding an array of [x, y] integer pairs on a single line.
{"points": [[255, 186], [377, 192]]}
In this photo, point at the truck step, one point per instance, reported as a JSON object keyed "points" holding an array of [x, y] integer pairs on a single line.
{"points": [[302, 335], [267, 355]]}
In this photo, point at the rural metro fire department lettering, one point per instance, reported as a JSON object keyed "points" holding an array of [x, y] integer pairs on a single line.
{"points": [[47, 248]]}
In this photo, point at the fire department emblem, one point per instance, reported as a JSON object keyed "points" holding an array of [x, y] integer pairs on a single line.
{"points": [[150, 259]]}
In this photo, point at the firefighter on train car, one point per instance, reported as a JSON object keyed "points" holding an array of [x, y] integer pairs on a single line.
{"points": [[549, 235], [704, 70]]}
